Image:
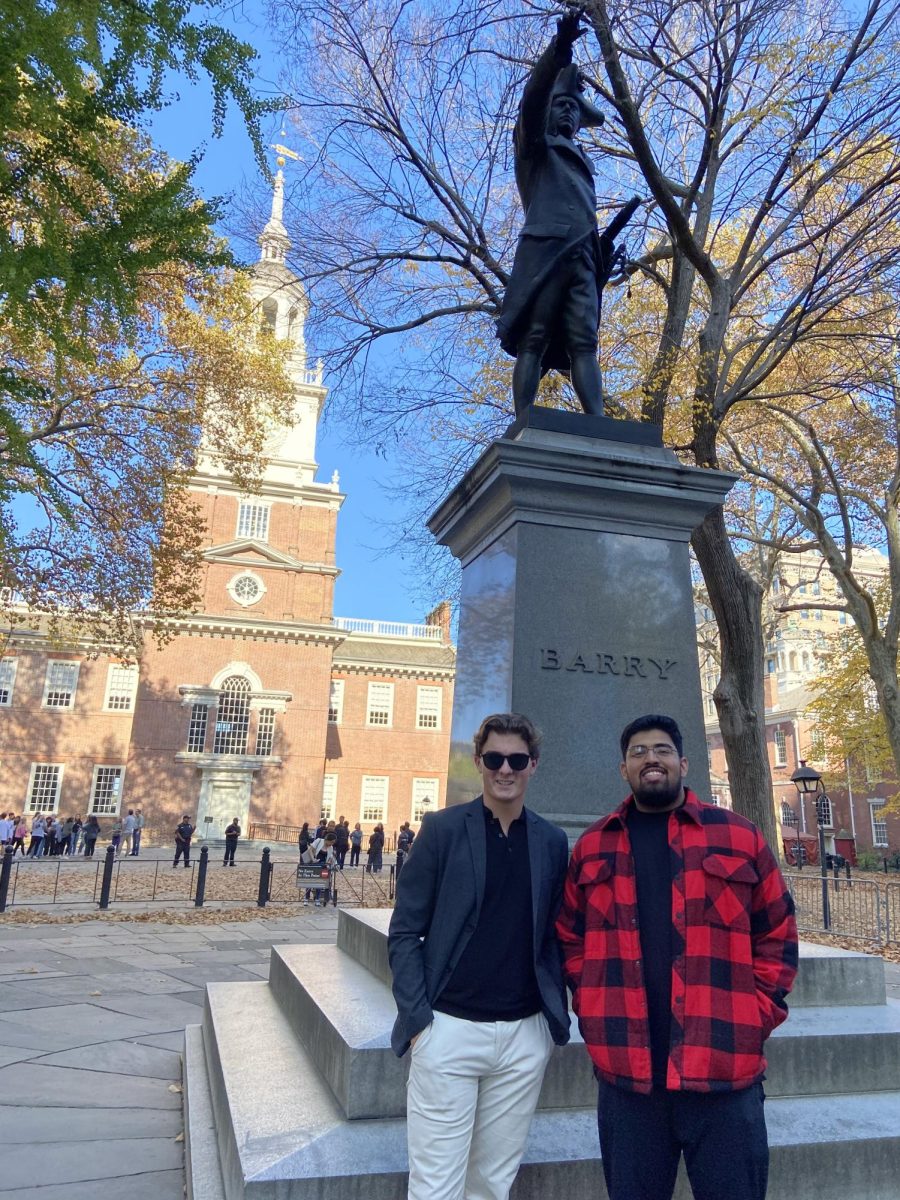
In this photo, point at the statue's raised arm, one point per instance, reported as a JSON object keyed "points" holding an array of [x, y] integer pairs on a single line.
{"points": [[551, 310]]}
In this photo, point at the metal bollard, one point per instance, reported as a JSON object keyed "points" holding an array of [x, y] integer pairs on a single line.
{"points": [[201, 877], [5, 872], [265, 874], [106, 885]]}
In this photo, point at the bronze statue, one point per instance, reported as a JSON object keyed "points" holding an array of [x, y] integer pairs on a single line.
{"points": [[551, 310]]}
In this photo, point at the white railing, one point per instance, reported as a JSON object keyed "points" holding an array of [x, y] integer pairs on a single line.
{"points": [[394, 629]]}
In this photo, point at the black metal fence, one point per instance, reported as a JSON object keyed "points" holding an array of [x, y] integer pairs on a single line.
{"points": [[105, 881], [856, 908]]}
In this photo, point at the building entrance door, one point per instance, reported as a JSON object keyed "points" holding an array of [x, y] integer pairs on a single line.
{"points": [[223, 796]]}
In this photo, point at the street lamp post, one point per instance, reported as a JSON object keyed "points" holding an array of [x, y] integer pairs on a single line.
{"points": [[808, 782]]}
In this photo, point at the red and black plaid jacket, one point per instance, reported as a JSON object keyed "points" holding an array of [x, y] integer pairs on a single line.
{"points": [[734, 950]]}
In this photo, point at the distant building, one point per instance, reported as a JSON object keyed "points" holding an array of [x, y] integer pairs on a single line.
{"points": [[263, 705], [792, 663]]}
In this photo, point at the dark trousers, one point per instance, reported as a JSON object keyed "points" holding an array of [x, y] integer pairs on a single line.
{"points": [[182, 848], [136, 842], [354, 856], [230, 847], [721, 1134]]}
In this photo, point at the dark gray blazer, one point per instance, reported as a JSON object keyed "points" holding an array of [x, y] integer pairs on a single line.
{"points": [[439, 896]]}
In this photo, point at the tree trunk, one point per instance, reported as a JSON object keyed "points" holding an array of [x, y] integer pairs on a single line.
{"points": [[736, 600]]}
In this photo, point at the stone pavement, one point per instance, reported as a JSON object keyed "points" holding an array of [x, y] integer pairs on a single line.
{"points": [[92, 1019]]}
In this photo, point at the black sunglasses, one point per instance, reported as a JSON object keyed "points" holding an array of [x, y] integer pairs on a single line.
{"points": [[494, 760]]}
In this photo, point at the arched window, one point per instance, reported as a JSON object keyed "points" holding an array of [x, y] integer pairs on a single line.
{"points": [[233, 718], [787, 814], [270, 314]]}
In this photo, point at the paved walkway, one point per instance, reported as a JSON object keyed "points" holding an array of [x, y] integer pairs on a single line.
{"points": [[92, 1017], [92, 1020]]}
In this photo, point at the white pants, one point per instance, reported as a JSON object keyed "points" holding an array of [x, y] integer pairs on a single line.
{"points": [[473, 1088]]}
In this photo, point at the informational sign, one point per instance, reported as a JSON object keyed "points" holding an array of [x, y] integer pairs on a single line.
{"points": [[312, 875]]}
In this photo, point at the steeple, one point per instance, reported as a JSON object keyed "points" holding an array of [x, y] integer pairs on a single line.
{"points": [[274, 241]]}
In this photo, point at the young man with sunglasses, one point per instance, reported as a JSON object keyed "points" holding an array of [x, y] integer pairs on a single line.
{"points": [[680, 947], [477, 973]]}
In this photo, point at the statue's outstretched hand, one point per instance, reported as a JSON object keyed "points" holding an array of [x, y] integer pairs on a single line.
{"points": [[568, 27]]}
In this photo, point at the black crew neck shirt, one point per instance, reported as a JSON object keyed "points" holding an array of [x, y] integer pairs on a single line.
{"points": [[494, 979], [648, 833]]}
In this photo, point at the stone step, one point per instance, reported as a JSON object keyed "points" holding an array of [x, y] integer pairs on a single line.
{"points": [[828, 975], [281, 1135], [201, 1151], [344, 1015]]}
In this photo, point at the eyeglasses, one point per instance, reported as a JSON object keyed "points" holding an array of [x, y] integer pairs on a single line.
{"points": [[661, 750], [494, 760]]}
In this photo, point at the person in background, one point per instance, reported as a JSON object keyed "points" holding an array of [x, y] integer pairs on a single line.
{"points": [[65, 846], [356, 837], [75, 835], [304, 841], [115, 839], [138, 831], [38, 835], [232, 833], [128, 831], [20, 832], [341, 842], [91, 833], [376, 849], [404, 841], [183, 834]]}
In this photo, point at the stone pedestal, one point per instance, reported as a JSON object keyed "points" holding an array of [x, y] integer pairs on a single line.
{"points": [[577, 604], [292, 1091]]}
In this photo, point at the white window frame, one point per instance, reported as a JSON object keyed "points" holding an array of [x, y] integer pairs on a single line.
{"points": [[433, 787], [8, 668], [878, 824], [253, 520], [329, 798], [368, 799], [265, 733], [378, 708], [195, 714], [779, 738], [824, 802], [116, 691], [429, 707], [36, 767], [50, 690], [336, 702], [116, 793]]}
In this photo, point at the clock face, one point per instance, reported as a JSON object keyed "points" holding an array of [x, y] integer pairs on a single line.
{"points": [[275, 441]]}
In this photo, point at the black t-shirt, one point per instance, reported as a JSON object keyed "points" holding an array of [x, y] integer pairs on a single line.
{"points": [[649, 837], [233, 832], [494, 979]]}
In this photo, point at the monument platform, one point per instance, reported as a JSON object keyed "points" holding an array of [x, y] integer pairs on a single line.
{"points": [[292, 1091]]}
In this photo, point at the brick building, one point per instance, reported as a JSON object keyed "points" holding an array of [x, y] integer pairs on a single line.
{"points": [[262, 704], [795, 650]]}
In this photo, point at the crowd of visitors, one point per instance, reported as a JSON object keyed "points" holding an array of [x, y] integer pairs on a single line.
{"points": [[51, 835]]}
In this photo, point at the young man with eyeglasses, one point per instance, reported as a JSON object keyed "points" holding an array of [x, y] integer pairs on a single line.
{"points": [[477, 973], [680, 947]]}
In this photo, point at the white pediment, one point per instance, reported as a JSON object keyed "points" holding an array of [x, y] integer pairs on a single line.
{"points": [[247, 552]]}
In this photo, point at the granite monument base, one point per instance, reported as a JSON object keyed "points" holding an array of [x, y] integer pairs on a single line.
{"points": [[577, 603], [292, 1091]]}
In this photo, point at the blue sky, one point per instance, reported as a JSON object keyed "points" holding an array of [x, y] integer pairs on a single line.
{"points": [[374, 582]]}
